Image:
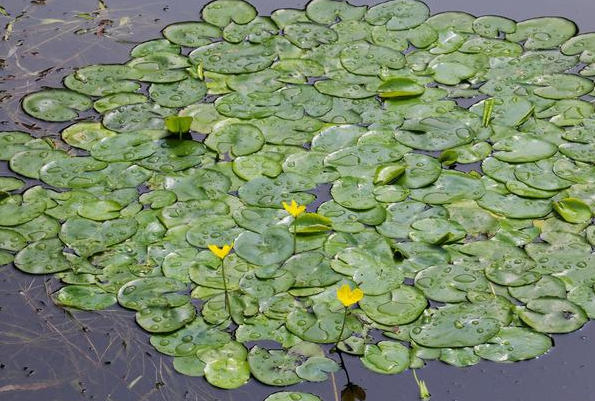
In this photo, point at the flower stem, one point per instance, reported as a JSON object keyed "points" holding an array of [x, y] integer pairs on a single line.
{"points": [[336, 347], [227, 304], [294, 235]]}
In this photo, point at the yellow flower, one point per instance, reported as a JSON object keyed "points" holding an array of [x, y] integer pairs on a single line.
{"points": [[347, 296], [221, 253], [294, 209]]}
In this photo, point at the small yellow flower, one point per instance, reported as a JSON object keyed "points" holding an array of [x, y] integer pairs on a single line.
{"points": [[294, 209], [347, 296], [221, 253]]}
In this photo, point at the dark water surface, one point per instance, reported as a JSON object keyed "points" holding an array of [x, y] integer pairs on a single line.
{"points": [[47, 354]]}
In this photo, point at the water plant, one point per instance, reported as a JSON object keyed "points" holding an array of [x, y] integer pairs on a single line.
{"points": [[221, 253], [351, 110]]}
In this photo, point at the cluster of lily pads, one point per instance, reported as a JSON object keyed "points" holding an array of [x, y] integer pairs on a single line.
{"points": [[469, 230]]}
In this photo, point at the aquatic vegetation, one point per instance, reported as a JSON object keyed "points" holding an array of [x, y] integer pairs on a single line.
{"points": [[354, 112]]}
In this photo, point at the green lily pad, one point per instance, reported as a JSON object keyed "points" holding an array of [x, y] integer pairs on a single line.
{"points": [[229, 58], [85, 297], [102, 80], [269, 192], [462, 325], [367, 59], [400, 87], [56, 105], [523, 148], [307, 35], [42, 257], [436, 231], [490, 26], [123, 148], [401, 215], [152, 292], [14, 211], [240, 139], [100, 210], [136, 117], [189, 365], [512, 272], [292, 396], [434, 133], [223, 12], [552, 315], [450, 283], [573, 210], [400, 306], [352, 221], [160, 319], [514, 206], [161, 67], [178, 94], [386, 357], [398, 14], [152, 46], [175, 155], [451, 186], [255, 31], [327, 11], [513, 344], [29, 162], [562, 86], [354, 193], [88, 237], [8, 184], [274, 367], [274, 245], [542, 33], [194, 337], [110, 102], [84, 135], [73, 172], [459, 357], [190, 34], [583, 296]]}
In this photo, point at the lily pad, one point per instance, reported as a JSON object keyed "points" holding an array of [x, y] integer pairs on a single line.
{"points": [[56, 105], [513, 344], [85, 297], [191, 34], [386, 357], [398, 14], [274, 245], [462, 325], [400, 306], [552, 315]]}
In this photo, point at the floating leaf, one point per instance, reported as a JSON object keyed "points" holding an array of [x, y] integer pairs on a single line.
{"points": [[56, 105], [573, 210], [274, 245], [85, 297]]}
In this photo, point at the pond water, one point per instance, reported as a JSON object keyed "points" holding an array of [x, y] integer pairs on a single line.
{"points": [[49, 354]]}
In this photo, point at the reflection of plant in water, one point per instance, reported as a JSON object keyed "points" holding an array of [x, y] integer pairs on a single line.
{"points": [[221, 253]]}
